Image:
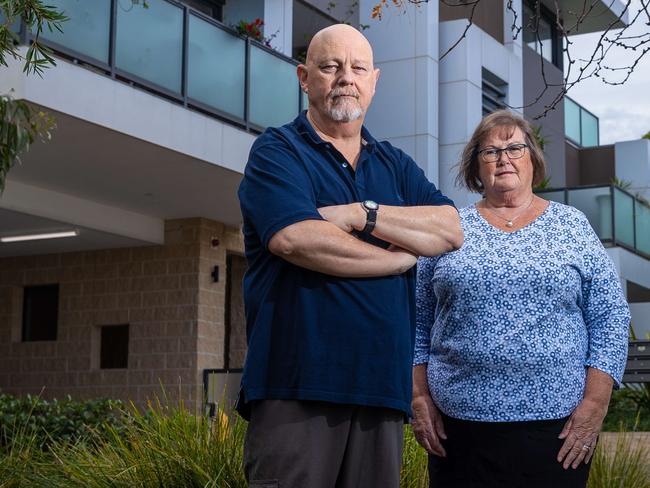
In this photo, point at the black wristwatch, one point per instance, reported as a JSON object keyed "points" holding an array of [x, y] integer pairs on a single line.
{"points": [[371, 215]]}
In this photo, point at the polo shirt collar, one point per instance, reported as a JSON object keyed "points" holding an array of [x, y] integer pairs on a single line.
{"points": [[304, 127]]}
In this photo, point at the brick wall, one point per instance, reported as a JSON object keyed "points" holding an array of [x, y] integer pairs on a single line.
{"points": [[166, 295]]}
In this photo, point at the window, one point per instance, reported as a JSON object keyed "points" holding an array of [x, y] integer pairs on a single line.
{"points": [[114, 349], [40, 313], [494, 93], [211, 8], [540, 33]]}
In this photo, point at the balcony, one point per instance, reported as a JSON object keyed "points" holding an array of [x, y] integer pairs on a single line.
{"points": [[580, 126], [179, 53], [618, 217]]}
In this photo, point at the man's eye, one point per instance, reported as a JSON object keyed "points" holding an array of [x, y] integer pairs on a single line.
{"points": [[360, 68], [329, 68]]}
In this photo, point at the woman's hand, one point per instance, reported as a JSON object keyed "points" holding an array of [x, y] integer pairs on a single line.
{"points": [[581, 431], [427, 422], [427, 425]]}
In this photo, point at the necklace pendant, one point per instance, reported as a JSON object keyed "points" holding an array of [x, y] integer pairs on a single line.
{"points": [[509, 223]]}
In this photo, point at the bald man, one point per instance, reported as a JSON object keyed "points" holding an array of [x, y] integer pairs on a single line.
{"points": [[333, 224]]}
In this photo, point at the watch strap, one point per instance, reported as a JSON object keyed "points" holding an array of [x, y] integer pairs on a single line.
{"points": [[371, 220]]}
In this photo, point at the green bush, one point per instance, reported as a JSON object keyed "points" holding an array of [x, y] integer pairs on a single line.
{"points": [[46, 422], [625, 414]]}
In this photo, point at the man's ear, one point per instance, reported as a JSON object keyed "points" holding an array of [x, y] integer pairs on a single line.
{"points": [[301, 71]]}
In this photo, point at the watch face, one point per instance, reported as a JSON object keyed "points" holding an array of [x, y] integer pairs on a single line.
{"points": [[370, 205]]}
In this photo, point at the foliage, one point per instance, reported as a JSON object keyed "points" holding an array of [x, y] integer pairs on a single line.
{"points": [[646, 135], [543, 185], [46, 422], [20, 126], [624, 466], [540, 138], [414, 463], [622, 184], [625, 414], [162, 447], [37, 16], [254, 31]]}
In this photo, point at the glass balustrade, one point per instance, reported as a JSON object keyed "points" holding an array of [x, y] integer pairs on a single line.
{"points": [[152, 46], [216, 73], [149, 42], [616, 216], [87, 30], [580, 125], [624, 217], [274, 94], [642, 224]]}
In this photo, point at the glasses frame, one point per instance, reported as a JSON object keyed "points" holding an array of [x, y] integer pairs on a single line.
{"points": [[498, 152]]}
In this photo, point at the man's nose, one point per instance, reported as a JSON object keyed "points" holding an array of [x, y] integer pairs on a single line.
{"points": [[345, 77]]}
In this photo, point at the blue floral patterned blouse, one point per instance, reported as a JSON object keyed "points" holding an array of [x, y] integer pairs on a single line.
{"points": [[509, 323]]}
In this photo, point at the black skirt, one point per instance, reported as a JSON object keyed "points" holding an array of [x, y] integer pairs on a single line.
{"points": [[503, 455]]}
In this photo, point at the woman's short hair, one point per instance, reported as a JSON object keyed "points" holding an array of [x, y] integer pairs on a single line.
{"points": [[507, 121]]}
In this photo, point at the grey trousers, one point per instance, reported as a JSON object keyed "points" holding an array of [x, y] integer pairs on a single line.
{"points": [[305, 444]]}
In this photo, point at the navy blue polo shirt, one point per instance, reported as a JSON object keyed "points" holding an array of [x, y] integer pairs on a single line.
{"points": [[313, 336]]}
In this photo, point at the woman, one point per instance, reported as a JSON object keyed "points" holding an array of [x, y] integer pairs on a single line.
{"points": [[521, 333]]}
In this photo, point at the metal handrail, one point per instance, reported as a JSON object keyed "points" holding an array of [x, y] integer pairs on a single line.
{"points": [[612, 188], [114, 72]]}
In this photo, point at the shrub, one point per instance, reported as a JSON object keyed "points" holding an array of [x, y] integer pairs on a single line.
{"points": [[624, 414], [45, 422]]}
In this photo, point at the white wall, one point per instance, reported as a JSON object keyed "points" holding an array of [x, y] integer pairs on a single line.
{"points": [[405, 108], [278, 19], [461, 92]]}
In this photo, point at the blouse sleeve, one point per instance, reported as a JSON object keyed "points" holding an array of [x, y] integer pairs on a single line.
{"points": [[605, 310], [425, 306]]}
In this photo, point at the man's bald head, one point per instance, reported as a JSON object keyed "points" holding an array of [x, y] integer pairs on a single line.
{"points": [[338, 34], [338, 75]]}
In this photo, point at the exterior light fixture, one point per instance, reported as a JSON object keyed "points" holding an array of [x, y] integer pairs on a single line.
{"points": [[36, 237]]}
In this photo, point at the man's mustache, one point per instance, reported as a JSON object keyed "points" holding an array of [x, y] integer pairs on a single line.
{"points": [[338, 92]]}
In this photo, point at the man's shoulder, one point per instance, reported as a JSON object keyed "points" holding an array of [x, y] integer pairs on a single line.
{"points": [[276, 137]]}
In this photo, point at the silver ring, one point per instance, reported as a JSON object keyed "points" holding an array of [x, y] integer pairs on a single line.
{"points": [[586, 447]]}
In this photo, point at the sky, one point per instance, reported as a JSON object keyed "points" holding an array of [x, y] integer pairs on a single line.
{"points": [[623, 110]]}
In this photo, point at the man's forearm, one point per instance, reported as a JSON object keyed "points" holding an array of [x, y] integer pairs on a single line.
{"points": [[426, 230], [323, 247]]}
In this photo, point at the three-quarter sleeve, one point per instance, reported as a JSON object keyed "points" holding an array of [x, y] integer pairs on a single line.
{"points": [[425, 306], [605, 310]]}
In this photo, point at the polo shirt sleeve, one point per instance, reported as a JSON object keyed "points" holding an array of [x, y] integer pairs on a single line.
{"points": [[276, 190], [419, 190]]}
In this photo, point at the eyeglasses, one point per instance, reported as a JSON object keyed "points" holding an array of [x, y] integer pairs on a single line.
{"points": [[492, 155]]}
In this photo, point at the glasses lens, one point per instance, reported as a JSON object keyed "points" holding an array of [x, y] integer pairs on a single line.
{"points": [[515, 152], [490, 155]]}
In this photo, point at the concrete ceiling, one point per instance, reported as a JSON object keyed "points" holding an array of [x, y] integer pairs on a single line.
{"points": [[105, 166], [101, 165], [16, 223]]}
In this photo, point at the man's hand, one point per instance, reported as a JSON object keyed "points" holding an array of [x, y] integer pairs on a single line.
{"points": [[427, 425], [347, 217], [580, 433]]}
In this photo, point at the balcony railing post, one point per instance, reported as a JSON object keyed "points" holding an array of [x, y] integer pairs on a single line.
{"points": [[634, 222], [612, 192], [185, 61], [247, 84], [112, 35]]}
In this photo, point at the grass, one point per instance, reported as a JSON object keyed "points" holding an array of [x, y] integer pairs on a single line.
{"points": [[167, 446], [624, 466]]}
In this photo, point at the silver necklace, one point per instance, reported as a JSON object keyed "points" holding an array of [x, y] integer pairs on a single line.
{"points": [[510, 222]]}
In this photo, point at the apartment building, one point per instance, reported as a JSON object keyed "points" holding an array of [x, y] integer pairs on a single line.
{"points": [[156, 110]]}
